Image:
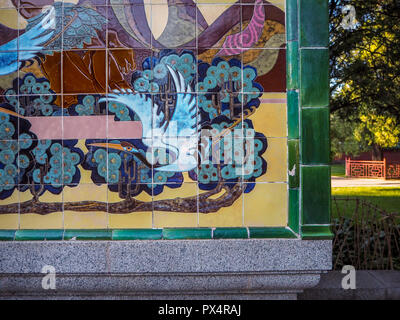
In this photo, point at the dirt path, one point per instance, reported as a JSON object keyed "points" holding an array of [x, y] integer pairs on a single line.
{"points": [[340, 182]]}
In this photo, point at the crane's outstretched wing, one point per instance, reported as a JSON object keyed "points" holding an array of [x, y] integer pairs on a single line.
{"points": [[32, 40], [144, 108], [179, 135], [185, 118]]}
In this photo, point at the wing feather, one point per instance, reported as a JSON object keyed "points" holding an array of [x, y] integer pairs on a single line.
{"points": [[31, 40], [34, 38], [184, 118], [143, 107]]}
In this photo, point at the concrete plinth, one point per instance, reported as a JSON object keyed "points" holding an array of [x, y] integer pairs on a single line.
{"points": [[165, 269]]}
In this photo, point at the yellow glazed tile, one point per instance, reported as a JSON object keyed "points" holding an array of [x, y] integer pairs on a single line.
{"points": [[10, 221], [85, 175], [231, 216], [12, 19], [278, 3], [274, 95], [138, 219], [271, 116], [85, 220], [276, 157], [228, 3], [37, 221], [215, 1], [266, 205], [6, 4], [158, 15], [162, 219], [212, 12], [186, 177]]}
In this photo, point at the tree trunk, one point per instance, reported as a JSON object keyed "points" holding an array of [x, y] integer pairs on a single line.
{"points": [[376, 153]]}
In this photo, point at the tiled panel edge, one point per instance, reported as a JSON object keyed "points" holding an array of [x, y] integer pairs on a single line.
{"points": [[293, 116], [315, 188]]}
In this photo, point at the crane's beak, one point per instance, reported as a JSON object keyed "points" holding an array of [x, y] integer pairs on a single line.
{"points": [[12, 113], [117, 146], [114, 146]]}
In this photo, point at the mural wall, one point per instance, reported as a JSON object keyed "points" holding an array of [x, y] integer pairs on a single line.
{"points": [[119, 114]]}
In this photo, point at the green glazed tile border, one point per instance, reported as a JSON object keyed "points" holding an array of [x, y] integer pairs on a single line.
{"points": [[313, 24], [315, 194], [294, 209], [293, 114], [186, 233], [148, 234], [314, 77], [316, 232], [137, 234], [291, 20], [230, 233], [294, 164], [315, 147], [38, 235], [269, 233], [95, 234], [7, 235], [292, 65]]}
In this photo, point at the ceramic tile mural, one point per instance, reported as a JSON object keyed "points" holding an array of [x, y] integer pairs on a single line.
{"points": [[125, 114]]}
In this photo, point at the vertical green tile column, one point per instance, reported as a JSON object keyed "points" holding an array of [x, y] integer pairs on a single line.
{"points": [[293, 116], [314, 120]]}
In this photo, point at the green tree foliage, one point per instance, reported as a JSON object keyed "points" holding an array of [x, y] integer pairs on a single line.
{"points": [[365, 60], [343, 140], [365, 75], [378, 131]]}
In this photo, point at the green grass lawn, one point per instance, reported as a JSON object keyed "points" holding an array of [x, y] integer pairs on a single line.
{"points": [[338, 170], [386, 198]]}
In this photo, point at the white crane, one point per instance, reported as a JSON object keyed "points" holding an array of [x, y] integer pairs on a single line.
{"points": [[179, 135]]}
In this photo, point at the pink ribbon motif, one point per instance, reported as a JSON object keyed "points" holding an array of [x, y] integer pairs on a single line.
{"points": [[236, 43], [84, 127]]}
